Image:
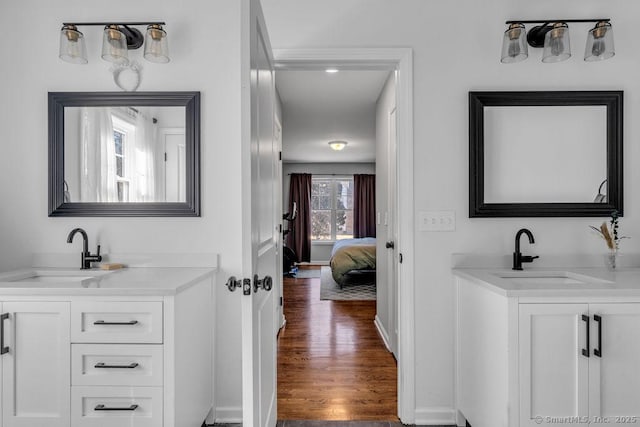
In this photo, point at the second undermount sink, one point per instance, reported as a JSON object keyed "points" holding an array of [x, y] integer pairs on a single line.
{"points": [[548, 278]]}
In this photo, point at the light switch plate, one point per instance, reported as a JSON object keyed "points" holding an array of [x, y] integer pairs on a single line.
{"points": [[437, 220]]}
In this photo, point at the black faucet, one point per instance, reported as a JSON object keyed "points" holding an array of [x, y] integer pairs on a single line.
{"points": [[518, 258], [87, 257]]}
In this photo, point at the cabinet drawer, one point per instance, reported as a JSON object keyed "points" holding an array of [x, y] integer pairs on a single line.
{"points": [[116, 406], [116, 322], [116, 364]]}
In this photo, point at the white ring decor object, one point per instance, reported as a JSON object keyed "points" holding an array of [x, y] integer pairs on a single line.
{"points": [[127, 76]]}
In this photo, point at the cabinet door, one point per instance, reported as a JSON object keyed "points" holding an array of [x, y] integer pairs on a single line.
{"points": [[553, 371], [36, 370], [614, 377]]}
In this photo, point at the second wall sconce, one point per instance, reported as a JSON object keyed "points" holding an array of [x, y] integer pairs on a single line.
{"points": [[118, 39], [553, 36]]}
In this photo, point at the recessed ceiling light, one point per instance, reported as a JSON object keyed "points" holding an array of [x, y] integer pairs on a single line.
{"points": [[332, 70], [338, 145]]}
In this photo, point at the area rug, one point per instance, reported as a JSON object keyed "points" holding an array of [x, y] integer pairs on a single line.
{"points": [[308, 274], [360, 289]]}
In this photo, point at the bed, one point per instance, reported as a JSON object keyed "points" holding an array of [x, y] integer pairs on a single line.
{"points": [[352, 255]]}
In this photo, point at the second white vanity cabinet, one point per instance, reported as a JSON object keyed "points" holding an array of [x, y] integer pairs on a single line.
{"points": [[532, 356], [579, 360]]}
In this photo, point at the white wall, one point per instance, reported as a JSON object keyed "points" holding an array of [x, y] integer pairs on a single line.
{"points": [[386, 103], [204, 42], [320, 252], [456, 48]]}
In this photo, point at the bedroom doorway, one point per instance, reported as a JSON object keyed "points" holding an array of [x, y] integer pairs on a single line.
{"points": [[391, 61]]}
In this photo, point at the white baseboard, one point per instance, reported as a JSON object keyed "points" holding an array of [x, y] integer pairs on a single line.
{"points": [[382, 332], [435, 416], [229, 415]]}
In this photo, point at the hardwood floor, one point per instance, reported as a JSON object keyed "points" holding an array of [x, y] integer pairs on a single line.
{"points": [[332, 365]]}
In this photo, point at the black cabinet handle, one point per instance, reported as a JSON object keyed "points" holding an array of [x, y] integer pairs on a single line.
{"points": [[101, 407], [3, 349], [586, 351], [103, 365], [598, 351], [102, 322]]}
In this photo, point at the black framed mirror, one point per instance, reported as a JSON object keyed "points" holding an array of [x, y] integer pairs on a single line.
{"points": [[124, 154], [545, 154]]}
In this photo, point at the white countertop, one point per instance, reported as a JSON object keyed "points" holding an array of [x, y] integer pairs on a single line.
{"points": [[584, 282], [139, 281]]}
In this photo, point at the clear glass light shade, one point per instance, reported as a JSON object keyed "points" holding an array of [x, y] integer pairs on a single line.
{"points": [[156, 48], [338, 145], [514, 44], [556, 44], [599, 43], [72, 47], [114, 45]]}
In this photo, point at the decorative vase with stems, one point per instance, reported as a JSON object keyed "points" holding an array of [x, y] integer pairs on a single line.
{"points": [[609, 232]]}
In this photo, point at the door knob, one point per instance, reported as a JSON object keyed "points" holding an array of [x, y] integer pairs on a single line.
{"points": [[234, 283], [389, 245], [266, 283]]}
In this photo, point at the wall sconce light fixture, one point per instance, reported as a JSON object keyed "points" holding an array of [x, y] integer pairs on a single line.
{"points": [[118, 39], [338, 145], [553, 36]]}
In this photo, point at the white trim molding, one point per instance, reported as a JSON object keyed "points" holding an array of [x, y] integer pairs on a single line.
{"points": [[383, 333], [401, 60], [228, 415], [438, 416]]}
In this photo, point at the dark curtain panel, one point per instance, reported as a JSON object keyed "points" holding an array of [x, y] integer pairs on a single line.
{"points": [[364, 206], [299, 239]]}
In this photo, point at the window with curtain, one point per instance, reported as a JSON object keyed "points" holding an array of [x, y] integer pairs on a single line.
{"points": [[331, 208]]}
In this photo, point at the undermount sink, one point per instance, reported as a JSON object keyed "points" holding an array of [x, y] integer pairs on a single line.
{"points": [[548, 278], [53, 278], [50, 276]]}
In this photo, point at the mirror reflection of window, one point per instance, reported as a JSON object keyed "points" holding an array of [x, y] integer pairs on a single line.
{"points": [[122, 133], [125, 154]]}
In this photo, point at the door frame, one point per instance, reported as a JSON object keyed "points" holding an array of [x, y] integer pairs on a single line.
{"points": [[401, 60]]}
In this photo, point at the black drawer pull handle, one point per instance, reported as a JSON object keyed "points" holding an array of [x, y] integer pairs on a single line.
{"points": [[3, 349], [129, 366], [109, 408], [102, 322], [598, 351], [586, 351]]}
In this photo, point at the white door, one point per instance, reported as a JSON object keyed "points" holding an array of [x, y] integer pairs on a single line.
{"points": [[553, 371], [614, 380], [260, 205], [36, 370], [392, 233], [174, 164]]}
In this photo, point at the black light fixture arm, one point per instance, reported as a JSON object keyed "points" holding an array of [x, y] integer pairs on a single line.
{"points": [[548, 21], [135, 39], [536, 35], [78, 24]]}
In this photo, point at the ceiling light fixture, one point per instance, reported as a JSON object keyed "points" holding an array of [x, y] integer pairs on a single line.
{"points": [[331, 70], [338, 145], [553, 36], [118, 39]]}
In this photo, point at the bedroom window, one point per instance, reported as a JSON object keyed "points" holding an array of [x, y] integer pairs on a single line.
{"points": [[331, 208]]}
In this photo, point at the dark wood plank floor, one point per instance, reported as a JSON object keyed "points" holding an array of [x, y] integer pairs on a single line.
{"points": [[332, 364]]}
